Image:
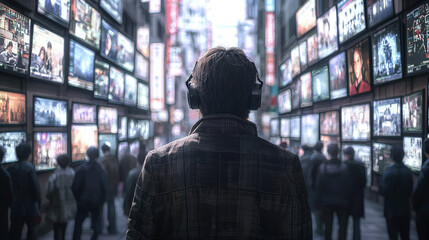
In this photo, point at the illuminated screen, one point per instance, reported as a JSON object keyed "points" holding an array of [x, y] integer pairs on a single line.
{"points": [[285, 127], [320, 84], [133, 128], [330, 123], [312, 49], [9, 140], [417, 39], [381, 157], [12, 108], [81, 66], [295, 127], [143, 40], [116, 85], [50, 112], [306, 17], [310, 129], [144, 128], [386, 54], [47, 55], [142, 67], [303, 58], [47, 147], [387, 117], [14, 39], [101, 79], [113, 8], [286, 73], [130, 97], [338, 76], [85, 22], [412, 112], [294, 55], [351, 18], [55, 9], [275, 127], [284, 101], [109, 140], [143, 96], [379, 10], [306, 90], [122, 130], [413, 153], [107, 120], [134, 148], [326, 140], [296, 94], [355, 123], [327, 33], [122, 149], [295, 146], [83, 137], [84, 113], [358, 63], [362, 154]]}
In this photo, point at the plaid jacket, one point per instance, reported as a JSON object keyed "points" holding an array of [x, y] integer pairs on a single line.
{"points": [[220, 182]]}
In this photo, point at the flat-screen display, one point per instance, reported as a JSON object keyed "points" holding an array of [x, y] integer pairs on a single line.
{"points": [[351, 18], [386, 54], [413, 153], [284, 101], [58, 10], [320, 84], [295, 146], [303, 58], [327, 33], [306, 17], [81, 66], [143, 96], [84, 113], [133, 128], [387, 117], [114, 8], [310, 129], [312, 49], [295, 127], [143, 34], [338, 76], [381, 157], [116, 47], [355, 123], [285, 127], [50, 112], [122, 149], [107, 120], [275, 127], [14, 40], [122, 130], [9, 140], [12, 108], [417, 42], [47, 147], [296, 65], [330, 123], [296, 94], [144, 128], [286, 73], [101, 79], [130, 97], [47, 55], [378, 11], [358, 62], [326, 140], [306, 90], [363, 154], [412, 112], [108, 139], [142, 67], [83, 137], [85, 22], [116, 85], [134, 148]]}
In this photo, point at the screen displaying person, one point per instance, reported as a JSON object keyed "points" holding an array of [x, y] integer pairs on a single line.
{"points": [[359, 83], [7, 55]]}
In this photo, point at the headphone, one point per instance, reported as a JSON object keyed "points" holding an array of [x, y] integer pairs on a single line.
{"points": [[253, 103]]}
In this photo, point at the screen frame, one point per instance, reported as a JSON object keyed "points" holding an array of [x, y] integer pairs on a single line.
{"points": [[53, 99], [338, 122], [366, 144], [370, 68], [329, 83], [413, 133], [110, 81], [108, 77], [87, 104], [53, 18], [121, 20], [357, 141], [83, 41], [346, 72], [389, 143], [26, 108], [318, 126], [71, 140], [14, 131], [422, 157], [99, 107], [369, 25], [34, 149], [356, 34], [148, 87], [376, 137], [68, 65], [278, 121]]}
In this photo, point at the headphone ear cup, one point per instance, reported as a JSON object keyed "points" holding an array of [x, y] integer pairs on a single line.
{"points": [[193, 97], [255, 97]]}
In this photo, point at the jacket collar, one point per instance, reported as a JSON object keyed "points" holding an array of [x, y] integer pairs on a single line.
{"points": [[224, 124]]}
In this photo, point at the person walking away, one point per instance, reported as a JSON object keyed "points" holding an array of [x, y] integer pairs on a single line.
{"points": [[222, 180], [62, 205], [111, 166], [333, 190], [26, 189], [358, 174], [89, 189], [131, 182], [420, 197], [7, 197], [305, 159], [126, 163], [396, 186]]}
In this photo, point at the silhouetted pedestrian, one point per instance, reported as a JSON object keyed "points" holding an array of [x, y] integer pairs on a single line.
{"points": [[126, 163], [305, 159], [6, 199]]}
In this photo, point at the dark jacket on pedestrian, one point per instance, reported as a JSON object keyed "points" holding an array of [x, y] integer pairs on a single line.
{"points": [[420, 196], [111, 166], [129, 187], [396, 186], [6, 199], [358, 176], [126, 163], [313, 169], [333, 184], [90, 185], [26, 190], [305, 162], [221, 181]]}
